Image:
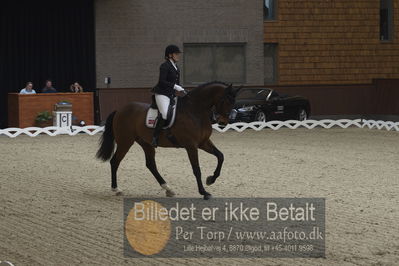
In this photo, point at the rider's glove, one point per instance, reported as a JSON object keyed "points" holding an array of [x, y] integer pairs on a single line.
{"points": [[178, 87]]}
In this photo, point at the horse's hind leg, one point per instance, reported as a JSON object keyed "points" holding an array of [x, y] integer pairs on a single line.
{"points": [[120, 153], [152, 166]]}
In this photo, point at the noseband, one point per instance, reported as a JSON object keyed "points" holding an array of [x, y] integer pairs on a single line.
{"points": [[226, 97]]}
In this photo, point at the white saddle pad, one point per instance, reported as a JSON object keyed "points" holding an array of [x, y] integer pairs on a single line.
{"points": [[152, 116]]}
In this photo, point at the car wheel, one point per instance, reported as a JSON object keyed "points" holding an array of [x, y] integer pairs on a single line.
{"points": [[260, 117], [302, 115]]}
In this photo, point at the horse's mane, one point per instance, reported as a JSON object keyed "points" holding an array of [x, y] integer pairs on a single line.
{"points": [[201, 86], [197, 91]]}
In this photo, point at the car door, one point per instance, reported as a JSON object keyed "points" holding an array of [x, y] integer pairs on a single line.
{"points": [[276, 106], [291, 110]]}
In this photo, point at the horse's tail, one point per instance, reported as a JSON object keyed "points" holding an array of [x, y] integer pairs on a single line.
{"points": [[107, 142]]}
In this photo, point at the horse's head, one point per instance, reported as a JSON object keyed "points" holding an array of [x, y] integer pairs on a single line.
{"points": [[224, 106]]}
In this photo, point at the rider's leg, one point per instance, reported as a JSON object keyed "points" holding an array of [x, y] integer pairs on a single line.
{"points": [[163, 105]]}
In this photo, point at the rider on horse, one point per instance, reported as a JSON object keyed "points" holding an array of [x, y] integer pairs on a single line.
{"points": [[192, 129], [169, 81]]}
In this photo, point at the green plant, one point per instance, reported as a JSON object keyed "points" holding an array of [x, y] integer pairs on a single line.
{"points": [[43, 117]]}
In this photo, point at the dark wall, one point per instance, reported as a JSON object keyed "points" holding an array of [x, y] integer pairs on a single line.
{"points": [[327, 100], [42, 40], [378, 98], [112, 99], [387, 96]]}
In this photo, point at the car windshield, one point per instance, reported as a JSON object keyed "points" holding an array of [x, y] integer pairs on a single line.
{"points": [[274, 94], [253, 94]]}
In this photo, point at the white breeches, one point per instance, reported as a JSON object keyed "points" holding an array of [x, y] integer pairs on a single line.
{"points": [[163, 104]]}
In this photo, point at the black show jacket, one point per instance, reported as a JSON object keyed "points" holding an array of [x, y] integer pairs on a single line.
{"points": [[168, 77]]}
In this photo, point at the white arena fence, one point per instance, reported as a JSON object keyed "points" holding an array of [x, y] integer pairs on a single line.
{"points": [[239, 127]]}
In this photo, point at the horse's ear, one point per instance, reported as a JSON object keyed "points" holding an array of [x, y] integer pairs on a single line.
{"points": [[229, 89], [235, 91]]}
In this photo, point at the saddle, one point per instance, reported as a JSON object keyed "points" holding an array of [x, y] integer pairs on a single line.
{"points": [[153, 113]]}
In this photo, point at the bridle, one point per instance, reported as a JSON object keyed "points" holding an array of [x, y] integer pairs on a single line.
{"points": [[226, 97]]}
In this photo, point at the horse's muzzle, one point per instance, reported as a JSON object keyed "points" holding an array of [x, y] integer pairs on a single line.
{"points": [[222, 121]]}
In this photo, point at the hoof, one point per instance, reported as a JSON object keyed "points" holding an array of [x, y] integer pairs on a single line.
{"points": [[170, 193], [207, 196], [117, 191], [209, 180]]}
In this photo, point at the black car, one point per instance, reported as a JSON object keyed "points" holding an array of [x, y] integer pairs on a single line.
{"points": [[265, 104]]}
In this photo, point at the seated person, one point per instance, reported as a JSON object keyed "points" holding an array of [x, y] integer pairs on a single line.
{"points": [[49, 87], [75, 87], [28, 89]]}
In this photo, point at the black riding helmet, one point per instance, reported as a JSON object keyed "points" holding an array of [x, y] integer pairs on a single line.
{"points": [[171, 49]]}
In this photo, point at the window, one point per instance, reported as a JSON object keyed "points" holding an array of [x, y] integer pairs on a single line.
{"points": [[386, 20], [207, 62], [269, 9], [270, 54]]}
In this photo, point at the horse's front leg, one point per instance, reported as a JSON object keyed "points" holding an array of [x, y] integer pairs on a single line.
{"points": [[209, 147], [152, 166], [193, 156]]}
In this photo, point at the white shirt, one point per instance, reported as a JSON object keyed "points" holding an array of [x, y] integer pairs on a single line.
{"points": [[24, 91], [176, 87], [173, 63]]}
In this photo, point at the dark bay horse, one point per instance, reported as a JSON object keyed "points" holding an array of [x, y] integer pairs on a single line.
{"points": [[191, 131]]}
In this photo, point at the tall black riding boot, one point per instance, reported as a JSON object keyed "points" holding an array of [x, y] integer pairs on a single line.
{"points": [[157, 131]]}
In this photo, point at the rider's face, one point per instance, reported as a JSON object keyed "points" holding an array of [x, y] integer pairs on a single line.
{"points": [[176, 57]]}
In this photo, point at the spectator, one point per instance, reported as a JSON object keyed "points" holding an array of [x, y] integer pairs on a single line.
{"points": [[75, 87], [49, 87], [28, 89]]}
